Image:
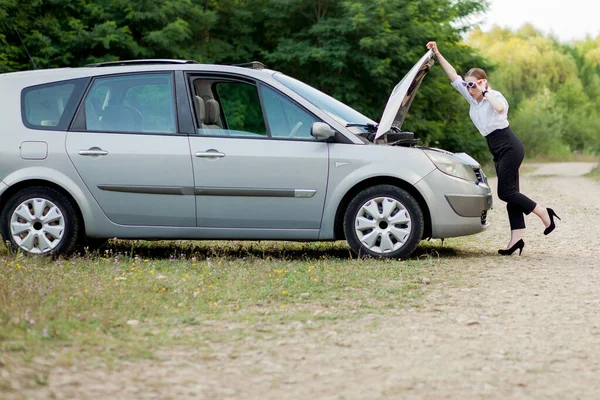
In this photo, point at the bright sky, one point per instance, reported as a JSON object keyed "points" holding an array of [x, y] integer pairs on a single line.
{"points": [[566, 19]]}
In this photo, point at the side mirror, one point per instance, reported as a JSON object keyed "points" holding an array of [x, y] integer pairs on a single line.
{"points": [[321, 131]]}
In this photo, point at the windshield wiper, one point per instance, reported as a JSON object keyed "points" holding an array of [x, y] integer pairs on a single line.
{"points": [[371, 128]]}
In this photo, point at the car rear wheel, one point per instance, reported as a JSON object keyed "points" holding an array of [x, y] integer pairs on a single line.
{"points": [[40, 220], [383, 221]]}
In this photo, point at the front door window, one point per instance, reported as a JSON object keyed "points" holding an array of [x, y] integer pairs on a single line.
{"points": [[239, 109], [286, 119]]}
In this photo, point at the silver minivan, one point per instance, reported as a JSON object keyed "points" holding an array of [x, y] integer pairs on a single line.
{"points": [[170, 149]]}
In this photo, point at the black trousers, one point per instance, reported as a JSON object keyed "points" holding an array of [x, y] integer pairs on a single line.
{"points": [[508, 154]]}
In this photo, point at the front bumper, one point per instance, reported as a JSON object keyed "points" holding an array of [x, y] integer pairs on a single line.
{"points": [[457, 207], [469, 205]]}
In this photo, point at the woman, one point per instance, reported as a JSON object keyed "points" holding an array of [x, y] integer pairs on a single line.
{"points": [[489, 110]]}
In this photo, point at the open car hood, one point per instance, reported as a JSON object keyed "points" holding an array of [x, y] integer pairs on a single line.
{"points": [[403, 95]]}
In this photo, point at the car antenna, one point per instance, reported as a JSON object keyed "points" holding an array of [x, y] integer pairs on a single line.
{"points": [[27, 51]]}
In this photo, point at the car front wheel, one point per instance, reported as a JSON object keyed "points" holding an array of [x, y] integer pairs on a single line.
{"points": [[40, 220], [383, 221]]}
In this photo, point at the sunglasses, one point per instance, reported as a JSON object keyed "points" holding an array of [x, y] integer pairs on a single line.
{"points": [[470, 85]]}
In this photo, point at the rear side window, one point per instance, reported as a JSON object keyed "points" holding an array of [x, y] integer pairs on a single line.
{"points": [[51, 106]]}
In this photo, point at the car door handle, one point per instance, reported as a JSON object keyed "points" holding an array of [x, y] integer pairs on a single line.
{"points": [[94, 151], [210, 154]]}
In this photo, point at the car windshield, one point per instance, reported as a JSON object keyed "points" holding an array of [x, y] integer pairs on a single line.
{"points": [[334, 108]]}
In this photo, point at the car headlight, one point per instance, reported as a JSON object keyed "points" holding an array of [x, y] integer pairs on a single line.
{"points": [[451, 165]]}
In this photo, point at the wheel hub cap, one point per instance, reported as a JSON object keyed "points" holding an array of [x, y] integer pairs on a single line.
{"points": [[37, 225], [383, 225]]}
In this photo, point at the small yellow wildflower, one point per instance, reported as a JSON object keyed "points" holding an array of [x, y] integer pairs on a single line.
{"points": [[85, 291], [146, 261], [187, 275], [284, 292], [282, 307], [326, 270], [215, 304], [18, 266], [152, 271], [315, 279]]}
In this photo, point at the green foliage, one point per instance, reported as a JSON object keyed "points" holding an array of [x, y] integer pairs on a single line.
{"points": [[241, 106], [540, 126], [530, 62], [553, 88], [355, 50], [594, 174], [59, 33]]}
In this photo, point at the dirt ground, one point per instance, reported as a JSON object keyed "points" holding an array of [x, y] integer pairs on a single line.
{"points": [[518, 328]]}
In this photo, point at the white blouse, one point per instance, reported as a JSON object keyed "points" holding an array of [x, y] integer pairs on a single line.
{"points": [[485, 118]]}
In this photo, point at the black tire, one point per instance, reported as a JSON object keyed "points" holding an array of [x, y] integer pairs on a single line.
{"points": [[391, 194], [71, 224]]}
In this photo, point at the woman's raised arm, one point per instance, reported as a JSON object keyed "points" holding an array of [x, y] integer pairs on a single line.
{"points": [[446, 66]]}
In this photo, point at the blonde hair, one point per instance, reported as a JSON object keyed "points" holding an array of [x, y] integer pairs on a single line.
{"points": [[477, 73]]}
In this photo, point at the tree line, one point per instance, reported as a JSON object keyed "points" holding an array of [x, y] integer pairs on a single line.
{"points": [[354, 50], [553, 87]]}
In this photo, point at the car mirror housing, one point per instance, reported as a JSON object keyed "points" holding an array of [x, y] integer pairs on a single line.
{"points": [[321, 131]]}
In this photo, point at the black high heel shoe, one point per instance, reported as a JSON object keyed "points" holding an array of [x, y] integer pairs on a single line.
{"points": [[551, 214], [519, 245]]}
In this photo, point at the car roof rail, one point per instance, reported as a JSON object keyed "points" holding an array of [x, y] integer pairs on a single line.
{"points": [[140, 62], [252, 64]]}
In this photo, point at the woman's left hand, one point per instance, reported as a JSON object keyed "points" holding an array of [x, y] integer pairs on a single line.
{"points": [[482, 84]]}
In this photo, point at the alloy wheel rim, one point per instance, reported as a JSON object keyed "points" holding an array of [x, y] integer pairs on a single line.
{"points": [[37, 225], [383, 225]]}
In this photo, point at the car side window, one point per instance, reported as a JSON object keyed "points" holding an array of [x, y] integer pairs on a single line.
{"points": [[236, 113], [227, 108], [140, 103], [285, 118], [51, 106]]}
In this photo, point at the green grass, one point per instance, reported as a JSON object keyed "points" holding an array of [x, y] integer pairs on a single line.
{"points": [[135, 297], [594, 174]]}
